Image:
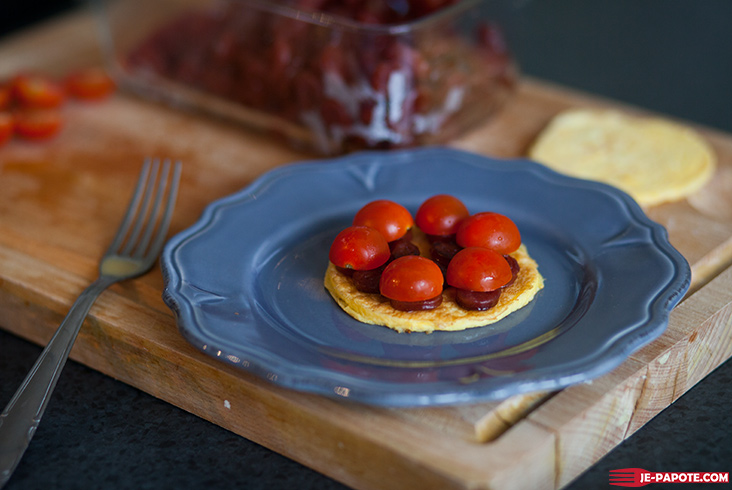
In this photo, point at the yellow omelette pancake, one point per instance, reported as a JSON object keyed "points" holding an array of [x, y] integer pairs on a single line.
{"points": [[376, 309], [652, 159]]}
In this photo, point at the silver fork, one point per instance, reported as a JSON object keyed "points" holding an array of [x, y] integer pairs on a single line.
{"points": [[132, 253]]}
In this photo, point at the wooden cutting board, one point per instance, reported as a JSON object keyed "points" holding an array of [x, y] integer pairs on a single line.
{"points": [[60, 202]]}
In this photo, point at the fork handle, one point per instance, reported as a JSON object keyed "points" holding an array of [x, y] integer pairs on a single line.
{"points": [[20, 419]]}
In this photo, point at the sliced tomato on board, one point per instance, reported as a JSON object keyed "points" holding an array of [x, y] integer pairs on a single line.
{"points": [[6, 96], [37, 124], [31, 90], [90, 84], [7, 126]]}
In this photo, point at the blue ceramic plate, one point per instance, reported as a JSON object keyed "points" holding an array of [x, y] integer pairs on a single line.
{"points": [[246, 281]]}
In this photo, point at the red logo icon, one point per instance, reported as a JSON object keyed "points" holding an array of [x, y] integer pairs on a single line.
{"points": [[629, 477]]}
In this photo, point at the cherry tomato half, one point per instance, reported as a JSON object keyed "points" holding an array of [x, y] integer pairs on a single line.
{"points": [[359, 248], [37, 123], [489, 230], [411, 278], [391, 219], [478, 269], [7, 125], [6, 96], [90, 84], [38, 91], [441, 215]]}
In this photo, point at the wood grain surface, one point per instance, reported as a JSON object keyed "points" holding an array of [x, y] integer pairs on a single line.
{"points": [[60, 202]]}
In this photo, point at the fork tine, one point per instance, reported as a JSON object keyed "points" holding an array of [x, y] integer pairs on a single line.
{"points": [[142, 209], [124, 227], [167, 213], [141, 247]]}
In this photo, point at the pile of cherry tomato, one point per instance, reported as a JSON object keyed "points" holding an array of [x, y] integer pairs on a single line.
{"points": [[30, 103], [469, 252], [353, 88]]}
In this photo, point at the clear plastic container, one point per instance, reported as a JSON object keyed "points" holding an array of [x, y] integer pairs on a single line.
{"points": [[329, 81]]}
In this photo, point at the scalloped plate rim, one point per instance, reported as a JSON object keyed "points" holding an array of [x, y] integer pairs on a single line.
{"points": [[321, 381]]}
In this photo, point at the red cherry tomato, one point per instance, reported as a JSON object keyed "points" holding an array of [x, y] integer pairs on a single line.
{"points": [[38, 91], [478, 269], [411, 278], [441, 215], [90, 84], [391, 219], [359, 248], [6, 96], [37, 123], [489, 230], [7, 125]]}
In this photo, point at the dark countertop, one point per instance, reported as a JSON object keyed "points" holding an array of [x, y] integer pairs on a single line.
{"points": [[670, 56]]}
